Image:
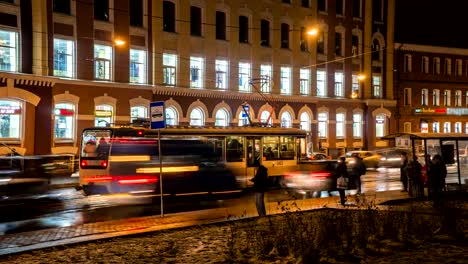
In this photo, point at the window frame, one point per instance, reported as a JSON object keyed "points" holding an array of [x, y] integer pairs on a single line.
{"points": [[221, 74], [72, 57], [143, 79], [110, 60], [241, 83], [285, 80], [340, 125], [304, 81], [199, 81], [14, 67], [66, 114], [169, 71]]}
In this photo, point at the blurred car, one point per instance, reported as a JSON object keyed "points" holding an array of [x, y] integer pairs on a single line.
{"points": [[317, 156], [391, 158], [312, 183], [370, 158]]}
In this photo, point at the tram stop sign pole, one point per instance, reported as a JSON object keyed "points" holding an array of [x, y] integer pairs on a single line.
{"points": [[158, 121]]}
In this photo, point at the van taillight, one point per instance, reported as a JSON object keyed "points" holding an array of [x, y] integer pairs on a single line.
{"points": [[140, 133], [84, 163], [104, 163]]}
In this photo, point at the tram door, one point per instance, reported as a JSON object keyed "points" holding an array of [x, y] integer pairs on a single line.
{"points": [[253, 151]]}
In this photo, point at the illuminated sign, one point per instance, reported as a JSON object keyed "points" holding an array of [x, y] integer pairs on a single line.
{"points": [[457, 111], [64, 112], [9, 110], [103, 113], [430, 111]]}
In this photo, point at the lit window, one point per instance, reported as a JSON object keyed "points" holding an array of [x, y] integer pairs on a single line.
{"points": [[407, 63], [355, 86], [102, 62], [243, 118], [10, 119], [222, 118], [63, 58], [285, 80], [171, 116], [357, 125], [458, 98], [448, 66], [407, 96], [424, 127], [377, 88], [196, 72], [458, 126], [466, 128], [137, 66], [197, 117], [447, 98], [264, 117], [380, 128], [425, 64], [459, 67], [103, 115], [436, 65], [435, 127], [321, 81], [446, 127], [64, 121], [169, 68], [8, 51], [322, 125], [221, 74], [436, 97], [138, 112], [286, 119], [304, 81], [265, 76], [424, 97], [340, 125], [305, 121], [244, 76], [339, 89]]}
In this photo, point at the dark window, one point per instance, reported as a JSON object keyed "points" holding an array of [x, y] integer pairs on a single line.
{"points": [[287, 1], [322, 5], [305, 3], [321, 43], [168, 16], [8, 1], [136, 13], [284, 36], [243, 29], [354, 45], [375, 50], [220, 25], [195, 21], [357, 8], [338, 44], [264, 33], [304, 43], [339, 7], [61, 6], [101, 10], [377, 10]]}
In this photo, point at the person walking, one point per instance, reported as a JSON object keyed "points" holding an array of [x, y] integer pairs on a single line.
{"points": [[342, 179], [415, 177], [260, 187], [403, 171], [357, 170], [437, 174]]}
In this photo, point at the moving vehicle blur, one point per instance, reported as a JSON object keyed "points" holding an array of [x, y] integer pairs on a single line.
{"points": [[312, 183], [391, 158], [317, 156], [370, 158]]}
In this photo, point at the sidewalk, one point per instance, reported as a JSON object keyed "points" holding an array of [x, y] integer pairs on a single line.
{"points": [[26, 241]]}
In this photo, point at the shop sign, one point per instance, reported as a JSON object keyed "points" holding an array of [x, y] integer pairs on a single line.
{"points": [[457, 111], [10, 110], [64, 112], [103, 113], [430, 110], [424, 128]]}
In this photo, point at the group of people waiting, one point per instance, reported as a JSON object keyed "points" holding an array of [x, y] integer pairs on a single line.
{"points": [[413, 178]]}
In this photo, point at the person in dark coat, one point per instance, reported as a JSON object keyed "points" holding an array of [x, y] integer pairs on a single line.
{"points": [[437, 174], [403, 171], [414, 171], [357, 170], [342, 171], [260, 187]]}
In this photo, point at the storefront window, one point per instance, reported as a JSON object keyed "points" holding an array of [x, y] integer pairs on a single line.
{"points": [[64, 121], [8, 51], [305, 121], [138, 112], [103, 115], [137, 66], [63, 58], [10, 119]]}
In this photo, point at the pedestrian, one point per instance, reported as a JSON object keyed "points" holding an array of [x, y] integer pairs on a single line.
{"points": [[342, 179], [403, 171], [260, 187], [357, 170], [415, 178], [437, 174]]}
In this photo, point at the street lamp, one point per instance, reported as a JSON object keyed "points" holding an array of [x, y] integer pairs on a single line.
{"points": [[312, 32], [119, 42]]}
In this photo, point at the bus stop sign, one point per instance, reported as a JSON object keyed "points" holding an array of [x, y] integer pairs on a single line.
{"points": [[158, 119]]}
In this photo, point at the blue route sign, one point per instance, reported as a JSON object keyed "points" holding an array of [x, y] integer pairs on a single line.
{"points": [[158, 118]]}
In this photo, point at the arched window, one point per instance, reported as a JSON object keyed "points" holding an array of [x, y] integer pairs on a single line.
{"points": [[172, 117], [197, 117], [104, 115], [286, 119], [222, 118], [64, 126], [10, 119], [243, 119], [305, 121], [264, 116], [322, 125], [138, 112], [380, 122]]}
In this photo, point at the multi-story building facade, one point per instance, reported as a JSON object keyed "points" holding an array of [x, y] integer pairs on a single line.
{"points": [[66, 65], [432, 85]]}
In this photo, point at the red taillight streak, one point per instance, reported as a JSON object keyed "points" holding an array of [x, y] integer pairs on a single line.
{"points": [[123, 179], [320, 174], [138, 181], [99, 179]]}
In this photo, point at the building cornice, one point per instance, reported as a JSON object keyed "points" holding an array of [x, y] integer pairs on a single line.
{"points": [[430, 49]]}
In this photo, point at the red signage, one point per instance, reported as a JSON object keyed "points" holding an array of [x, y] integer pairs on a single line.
{"points": [[64, 112], [9, 110]]}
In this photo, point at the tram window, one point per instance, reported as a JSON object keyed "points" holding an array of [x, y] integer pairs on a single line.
{"points": [[234, 148], [91, 143], [271, 148], [287, 151]]}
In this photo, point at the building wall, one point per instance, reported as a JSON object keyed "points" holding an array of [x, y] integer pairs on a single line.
{"points": [[83, 91]]}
